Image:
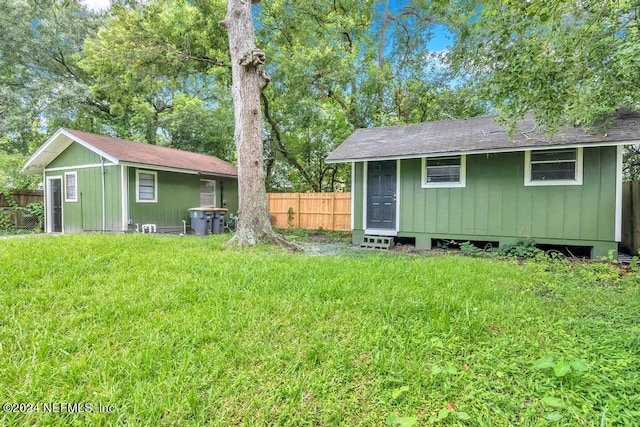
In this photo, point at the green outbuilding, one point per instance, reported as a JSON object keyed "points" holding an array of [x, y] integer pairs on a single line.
{"points": [[96, 183], [468, 180]]}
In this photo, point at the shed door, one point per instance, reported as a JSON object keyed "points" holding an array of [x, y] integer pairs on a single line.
{"points": [[381, 195], [55, 205]]}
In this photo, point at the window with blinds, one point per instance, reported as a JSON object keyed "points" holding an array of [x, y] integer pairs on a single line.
{"points": [[207, 193], [146, 186]]}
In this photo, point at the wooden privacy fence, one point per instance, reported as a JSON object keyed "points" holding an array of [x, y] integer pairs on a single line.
{"points": [[329, 211], [20, 198]]}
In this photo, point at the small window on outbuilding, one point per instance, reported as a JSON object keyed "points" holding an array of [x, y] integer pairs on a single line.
{"points": [[442, 172], [553, 167], [70, 187], [208, 193], [146, 186]]}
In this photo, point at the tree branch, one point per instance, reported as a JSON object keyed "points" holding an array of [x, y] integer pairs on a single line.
{"points": [[280, 144]]}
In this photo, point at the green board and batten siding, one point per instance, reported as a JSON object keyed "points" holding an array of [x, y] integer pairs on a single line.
{"points": [[495, 205], [177, 192], [86, 213], [175, 196]]}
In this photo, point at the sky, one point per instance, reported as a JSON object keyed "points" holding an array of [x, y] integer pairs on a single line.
{"points": [[97, 4], [439, 43]]}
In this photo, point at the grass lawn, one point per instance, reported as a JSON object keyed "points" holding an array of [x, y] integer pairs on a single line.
{"points": [[183, 331]]}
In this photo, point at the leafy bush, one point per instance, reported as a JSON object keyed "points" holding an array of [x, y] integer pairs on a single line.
{"points": [[469, 249], [35, 212], [522, 249], [6, 221]]}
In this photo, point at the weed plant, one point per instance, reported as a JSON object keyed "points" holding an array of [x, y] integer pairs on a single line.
{"points": [[184, 331]]}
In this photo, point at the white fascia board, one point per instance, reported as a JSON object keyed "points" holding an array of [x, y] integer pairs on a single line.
{"points": [[178, 170], [31, 161], [91, 147], [51, 144], [493, 151], [88, 166]]}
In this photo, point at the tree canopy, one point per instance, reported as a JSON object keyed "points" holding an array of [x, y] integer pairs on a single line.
{"points": [[563, 59], [158, 71]]}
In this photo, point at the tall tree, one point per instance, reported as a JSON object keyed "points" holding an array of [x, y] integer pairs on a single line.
{"points": [[248, 81], [162, 69], [40, 81], [559, 58], [342, 65]]}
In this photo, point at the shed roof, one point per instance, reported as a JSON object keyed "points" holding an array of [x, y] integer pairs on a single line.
{"points": [[475, 135], [128, 152]]}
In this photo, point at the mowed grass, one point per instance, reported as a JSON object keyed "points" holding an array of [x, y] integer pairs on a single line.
{"points": [[184, 331]]}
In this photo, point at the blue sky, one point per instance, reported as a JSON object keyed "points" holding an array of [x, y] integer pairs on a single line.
{"points": [[440, 40]]}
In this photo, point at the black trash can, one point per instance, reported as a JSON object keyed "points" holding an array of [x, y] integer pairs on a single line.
{"points": [[201, 220], [217, 222]]}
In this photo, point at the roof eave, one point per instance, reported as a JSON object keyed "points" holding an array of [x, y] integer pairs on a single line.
{"points": [[488, 151], [174, 169], [32, 167], [221, 175]]}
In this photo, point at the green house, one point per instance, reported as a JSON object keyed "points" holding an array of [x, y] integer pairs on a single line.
{"points": [[95, 183], [467, 180]]}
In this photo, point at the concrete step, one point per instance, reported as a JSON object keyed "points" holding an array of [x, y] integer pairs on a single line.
{"points": [[377, 242]]}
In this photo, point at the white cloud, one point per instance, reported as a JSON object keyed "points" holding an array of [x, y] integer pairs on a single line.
{"points": [[97, 5]]}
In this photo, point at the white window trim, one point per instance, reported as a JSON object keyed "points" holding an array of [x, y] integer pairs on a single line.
{"points": [[66, 196], [49, 203], [155, 186], [463, 174], [527, 171], [378, 231], [215, 192]]}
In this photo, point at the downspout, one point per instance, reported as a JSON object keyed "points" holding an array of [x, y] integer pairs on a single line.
{"points": [[46, 201], [81, 213], [104, 196], [222, 204]]}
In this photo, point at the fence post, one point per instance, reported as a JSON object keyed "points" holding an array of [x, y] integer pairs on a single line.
{"points": [[333, 211], [299, 213]]}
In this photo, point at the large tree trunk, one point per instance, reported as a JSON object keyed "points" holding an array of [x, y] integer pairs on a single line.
{"points": [[248, 81]]}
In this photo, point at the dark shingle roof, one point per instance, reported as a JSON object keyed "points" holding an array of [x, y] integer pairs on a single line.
{"points": [[478, 134]]}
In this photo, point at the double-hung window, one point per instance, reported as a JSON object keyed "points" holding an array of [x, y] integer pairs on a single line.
{"points": [[70, 187], [553, 167], [208, 193], [146, 186], [442, 172]]}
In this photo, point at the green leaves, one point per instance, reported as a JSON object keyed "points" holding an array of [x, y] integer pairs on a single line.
{"points": [[394, 420], [337, 66], [399, 392], [562, 59], [561, 367], [163, 71], [552, 401]]}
